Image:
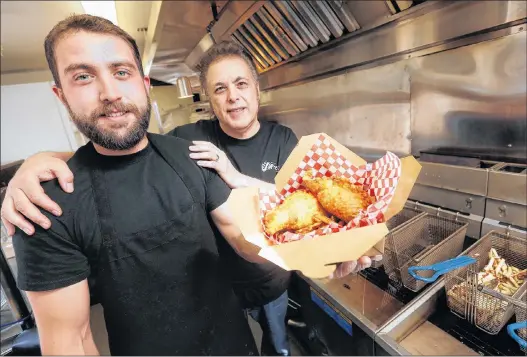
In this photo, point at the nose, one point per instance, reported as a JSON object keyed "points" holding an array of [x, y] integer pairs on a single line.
{"points": [[233, 94], [109, 90]]}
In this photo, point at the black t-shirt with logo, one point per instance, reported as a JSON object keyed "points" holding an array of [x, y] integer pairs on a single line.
{"points": [[260, 157]]}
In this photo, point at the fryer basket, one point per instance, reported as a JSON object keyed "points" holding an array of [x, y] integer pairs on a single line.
{"points": [[426, 240], [464, 298], [405, 216], [521, 315]]}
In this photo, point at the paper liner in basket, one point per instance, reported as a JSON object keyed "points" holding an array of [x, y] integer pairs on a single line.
{"points": [[323, 159]]}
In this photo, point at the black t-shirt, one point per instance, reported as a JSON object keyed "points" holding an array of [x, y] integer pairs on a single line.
{"points": [[144, 192], [260, 157]]}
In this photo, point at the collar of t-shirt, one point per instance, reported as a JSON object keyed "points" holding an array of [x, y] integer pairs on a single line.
{"points": [[119, 160], [229, 140]]}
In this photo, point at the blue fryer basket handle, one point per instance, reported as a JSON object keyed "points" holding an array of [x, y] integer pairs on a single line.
{"points": [[512, 328], [441, 268]]}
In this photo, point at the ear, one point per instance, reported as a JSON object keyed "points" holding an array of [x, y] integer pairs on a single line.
{"points": [[258, 90], [58, 92], [146, 81]]}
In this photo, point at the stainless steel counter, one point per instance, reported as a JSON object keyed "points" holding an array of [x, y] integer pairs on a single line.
{"points": [[422, 326], [366, 305], [410, 332], [398, 329]]}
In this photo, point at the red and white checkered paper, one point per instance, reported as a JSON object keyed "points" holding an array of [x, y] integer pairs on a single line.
{"points": [[378, 179]]}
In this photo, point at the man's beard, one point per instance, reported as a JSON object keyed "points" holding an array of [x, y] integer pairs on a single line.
{"points": [[108, 138]]}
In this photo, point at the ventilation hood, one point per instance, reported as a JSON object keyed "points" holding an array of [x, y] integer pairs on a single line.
{"points": [[277, 31], [291, 41]]}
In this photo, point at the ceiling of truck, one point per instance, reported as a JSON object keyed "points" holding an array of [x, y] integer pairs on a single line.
{"points": [[184, 23], [25, 24]]}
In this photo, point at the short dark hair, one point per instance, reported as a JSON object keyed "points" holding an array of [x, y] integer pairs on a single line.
{"points": [[89, 23], [219, 51]]}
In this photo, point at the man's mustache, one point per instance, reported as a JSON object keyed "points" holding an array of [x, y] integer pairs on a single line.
{"points": [[109, 109]]}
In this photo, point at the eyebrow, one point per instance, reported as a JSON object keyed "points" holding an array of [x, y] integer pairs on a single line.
{"points": [[86, 67], [239, 78], [76, 66]]}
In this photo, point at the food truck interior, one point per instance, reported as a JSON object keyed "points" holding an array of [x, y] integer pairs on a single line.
{"points": [[443, 81]]}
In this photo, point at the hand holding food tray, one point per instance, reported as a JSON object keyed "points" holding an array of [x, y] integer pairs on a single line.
{"points": [[329, 206]]}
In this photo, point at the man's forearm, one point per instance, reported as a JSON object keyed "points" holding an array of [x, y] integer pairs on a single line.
{"points": [[56, 343], [229, 230], [247, 251], [90, 348], [64, 156], [72, 346]]}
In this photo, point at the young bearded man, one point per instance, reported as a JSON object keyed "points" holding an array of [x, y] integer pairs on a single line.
{"points": [[136, 223], [244, 150]]}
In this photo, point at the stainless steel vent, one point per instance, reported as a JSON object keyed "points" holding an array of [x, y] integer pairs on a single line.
{"points": [[274, 32], [280, 30]]}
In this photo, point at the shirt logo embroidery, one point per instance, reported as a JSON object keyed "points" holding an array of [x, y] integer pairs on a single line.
{"points": [[266, 166]]}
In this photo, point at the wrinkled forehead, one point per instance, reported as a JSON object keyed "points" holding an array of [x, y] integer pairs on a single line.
{"points": [[228, 69], [94, 49]]}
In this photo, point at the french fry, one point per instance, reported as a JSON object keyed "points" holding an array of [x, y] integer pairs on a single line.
{"points": [[509, 285], [505, 290], [489, 264], [493, 253], [487, 279], [500, 265]]}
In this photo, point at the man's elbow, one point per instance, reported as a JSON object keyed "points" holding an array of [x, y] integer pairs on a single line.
{"points": [[52, 344], [61, 340], [248, 251]]}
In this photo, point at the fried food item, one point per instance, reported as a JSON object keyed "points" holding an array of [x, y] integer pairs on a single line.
{"points": [[497, 275], [501, 276], [488, 309], [299, 213], [338, 196]]}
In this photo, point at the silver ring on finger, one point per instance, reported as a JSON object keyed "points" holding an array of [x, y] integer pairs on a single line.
{"points": [[217, 157]]}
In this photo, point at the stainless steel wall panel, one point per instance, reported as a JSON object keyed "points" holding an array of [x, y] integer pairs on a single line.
{"points": [[367, 109], [471, 97], [468, 97]]}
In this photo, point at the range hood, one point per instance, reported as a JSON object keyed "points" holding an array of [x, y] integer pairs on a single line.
{"points": [[295, 41], [277, 31], [283, 29]]}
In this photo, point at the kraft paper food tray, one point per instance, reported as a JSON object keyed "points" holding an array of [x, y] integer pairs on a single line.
{"points": [[315, 257]]}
